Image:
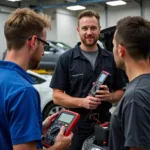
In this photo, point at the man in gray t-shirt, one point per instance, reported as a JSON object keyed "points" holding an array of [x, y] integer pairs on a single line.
{"points": [[130, 122]]}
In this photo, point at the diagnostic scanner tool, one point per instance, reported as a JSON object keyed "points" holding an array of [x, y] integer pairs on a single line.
{"points": [[65, 118], [100, 80]]}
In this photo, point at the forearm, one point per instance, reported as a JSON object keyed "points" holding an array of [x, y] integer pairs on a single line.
{"points": [[116, 96], [60, 98]]}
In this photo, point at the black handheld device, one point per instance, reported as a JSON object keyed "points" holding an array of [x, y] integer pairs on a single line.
{"points": [[65, 118], [102, 134], [100, 80]]}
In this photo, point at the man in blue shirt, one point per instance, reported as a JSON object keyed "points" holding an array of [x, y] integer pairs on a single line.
{"points": [[21, 118]]}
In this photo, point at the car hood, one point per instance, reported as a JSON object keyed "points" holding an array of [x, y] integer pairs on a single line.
{"points": [[106, 37]]}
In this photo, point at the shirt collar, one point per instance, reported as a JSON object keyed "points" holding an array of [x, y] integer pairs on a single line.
{"points": [[17, 68], [77, 51]]}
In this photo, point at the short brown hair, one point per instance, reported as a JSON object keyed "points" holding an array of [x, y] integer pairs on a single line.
{"points": [[89, 13], [22, 24], [134, 34]]}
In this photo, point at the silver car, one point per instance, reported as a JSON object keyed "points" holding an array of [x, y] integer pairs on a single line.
{"points": [[52, 53]]}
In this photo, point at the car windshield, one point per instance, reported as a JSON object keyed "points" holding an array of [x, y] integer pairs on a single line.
{"points": [[61, 45]]}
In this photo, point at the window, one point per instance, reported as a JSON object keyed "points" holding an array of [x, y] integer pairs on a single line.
{"points": [[61, 45], [36, 79]]}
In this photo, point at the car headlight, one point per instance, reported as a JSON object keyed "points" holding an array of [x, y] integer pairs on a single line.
{"points": [[89, 144]]}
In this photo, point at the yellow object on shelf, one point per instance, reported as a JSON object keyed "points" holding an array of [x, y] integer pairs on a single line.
{"points": [[43, 71]]}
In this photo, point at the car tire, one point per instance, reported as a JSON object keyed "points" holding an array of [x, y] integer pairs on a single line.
{"points": [[50, 109]]}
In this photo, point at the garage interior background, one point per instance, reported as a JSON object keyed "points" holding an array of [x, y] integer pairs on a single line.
{"points": [[64, 22]]}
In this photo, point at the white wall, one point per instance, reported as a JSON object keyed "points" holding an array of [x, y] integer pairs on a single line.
{"points": [[52, 34], [4, 13], [64, 22], [116, 13], [146, 10], [101, 10], [66, 27], [3, 17]]}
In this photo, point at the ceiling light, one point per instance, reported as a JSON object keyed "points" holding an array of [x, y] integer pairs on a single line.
{"points": [[14, 0], [77, 7], [116, 3]]}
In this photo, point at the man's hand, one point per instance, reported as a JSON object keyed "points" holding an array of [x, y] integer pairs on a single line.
{"points": [[64, 141], [103, 94], [90, 102], [48, 121]]}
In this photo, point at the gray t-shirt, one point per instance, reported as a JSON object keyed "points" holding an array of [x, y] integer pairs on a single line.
{"points": [[130, 122], [91, 56]]}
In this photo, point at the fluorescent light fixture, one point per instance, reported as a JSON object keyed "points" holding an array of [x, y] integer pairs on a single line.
{"points": [[14, 0], [116, 3], [76, 7]]}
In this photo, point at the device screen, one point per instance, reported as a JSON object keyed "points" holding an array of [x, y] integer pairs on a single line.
{"points": [[65, 117], [102, 77]]}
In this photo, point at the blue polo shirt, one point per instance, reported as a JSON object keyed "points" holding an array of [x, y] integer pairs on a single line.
{"points": [[20, 112]]}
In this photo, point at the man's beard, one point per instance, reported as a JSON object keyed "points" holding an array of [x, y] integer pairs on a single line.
{"points": [[34, 64], [86, 43]]}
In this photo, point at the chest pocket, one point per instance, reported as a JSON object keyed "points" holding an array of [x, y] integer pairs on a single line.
{"points": [[76, 85], [76, 73], [76, 79]]}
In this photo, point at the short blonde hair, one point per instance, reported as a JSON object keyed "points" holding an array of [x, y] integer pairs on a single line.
{"points": [[22, 24]]}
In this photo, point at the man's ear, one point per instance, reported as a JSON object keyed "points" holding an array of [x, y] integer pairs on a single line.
{"points": [[78, 28], [32, 41], [121, 50]]}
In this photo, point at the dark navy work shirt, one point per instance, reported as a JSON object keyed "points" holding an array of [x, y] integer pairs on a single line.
{"points": [[20, 111], [75, 75]]}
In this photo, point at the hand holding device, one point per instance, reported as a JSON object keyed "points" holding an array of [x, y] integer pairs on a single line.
{"points": [[66, 118], [90, 102], [63, 141], [48, 121], [100, 80]]}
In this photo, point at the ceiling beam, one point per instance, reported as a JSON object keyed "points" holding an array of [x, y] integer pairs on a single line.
{"points": [[141, 6], [138, 1], [69, 4]]}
